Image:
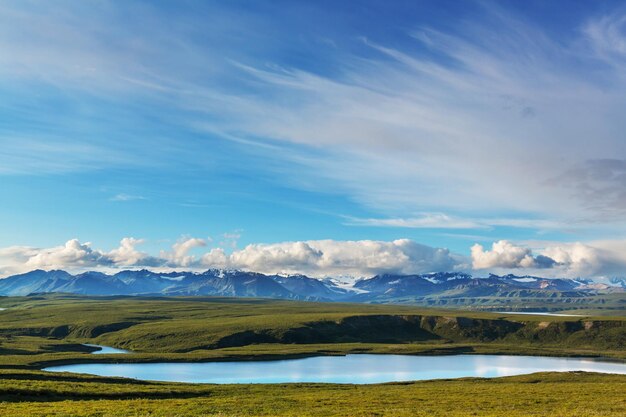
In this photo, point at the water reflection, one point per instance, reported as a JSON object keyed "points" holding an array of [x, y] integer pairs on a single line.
{"points": [[105, 349], [538, 313], [354, 369]]}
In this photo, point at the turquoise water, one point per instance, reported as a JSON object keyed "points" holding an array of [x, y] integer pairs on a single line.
{"points": [[106, 349], [353, 369], [533, 313]]}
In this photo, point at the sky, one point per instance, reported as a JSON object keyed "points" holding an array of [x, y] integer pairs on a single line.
{"points": [[318, 137]]}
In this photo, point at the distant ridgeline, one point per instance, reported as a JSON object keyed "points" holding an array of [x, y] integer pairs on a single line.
{"points": [[444, 288]]}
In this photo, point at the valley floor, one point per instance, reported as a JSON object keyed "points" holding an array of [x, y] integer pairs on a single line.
{"points": [[44, 330]]}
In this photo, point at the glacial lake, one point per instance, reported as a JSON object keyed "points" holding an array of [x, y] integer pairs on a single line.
{"points": [[350, 369], [106, 350], [538, 313]]}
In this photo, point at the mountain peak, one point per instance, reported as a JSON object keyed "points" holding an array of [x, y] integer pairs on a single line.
{"points": [[386, 287]]}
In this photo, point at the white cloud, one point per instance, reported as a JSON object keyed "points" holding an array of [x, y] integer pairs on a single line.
{"points": [[13, 259], [596, 259], [126, 254], [73, 253], [126, 197], [77, 256], [320, 258], [330, 257], [606, 258], [427, 220], [316, 258], [179, 256], [503, 254], [444, 221], [607, 36], [216, 258], [575, 258]]}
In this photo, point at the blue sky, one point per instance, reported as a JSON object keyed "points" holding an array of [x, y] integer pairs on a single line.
{"points": [[448, 124]]}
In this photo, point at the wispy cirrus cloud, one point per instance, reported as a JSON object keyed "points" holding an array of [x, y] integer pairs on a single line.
{"points": [[444, 221], [607, 37], [478, 116], [599, 185], [127, 197], [483, 130]]}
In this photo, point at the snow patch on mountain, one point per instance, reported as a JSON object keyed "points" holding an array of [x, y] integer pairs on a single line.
{"points": [[344, 285], [179, 278], [525, 279]]}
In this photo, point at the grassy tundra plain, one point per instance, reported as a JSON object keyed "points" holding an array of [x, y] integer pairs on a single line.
{"points": [[43, 330]]}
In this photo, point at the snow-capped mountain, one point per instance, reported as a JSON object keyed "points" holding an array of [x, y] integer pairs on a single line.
{"points": [[233, 283]]}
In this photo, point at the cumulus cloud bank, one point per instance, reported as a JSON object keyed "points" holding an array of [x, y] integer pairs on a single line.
{"points": [[331, 257], [322, 258], [599, 259], [315, 258], [504, 254], [77, 256]]}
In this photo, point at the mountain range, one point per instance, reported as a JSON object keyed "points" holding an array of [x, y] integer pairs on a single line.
{"points": [[234, 283]]}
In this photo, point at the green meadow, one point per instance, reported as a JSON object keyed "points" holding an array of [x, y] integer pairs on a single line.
{"points": [[31, 393], [38, 331]]}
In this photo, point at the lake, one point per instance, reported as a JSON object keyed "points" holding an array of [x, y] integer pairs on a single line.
{"points": [[106, 349], [538, 313], [352, 369]]}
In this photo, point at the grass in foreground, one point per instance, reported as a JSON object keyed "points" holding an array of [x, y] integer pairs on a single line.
{"points": [[33, 393]]}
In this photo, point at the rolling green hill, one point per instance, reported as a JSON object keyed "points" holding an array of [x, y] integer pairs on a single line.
{"points": [[44, 329]]}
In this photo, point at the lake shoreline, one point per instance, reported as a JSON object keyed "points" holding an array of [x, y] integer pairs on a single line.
{"points": [[350, 369], [229, 356]]}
